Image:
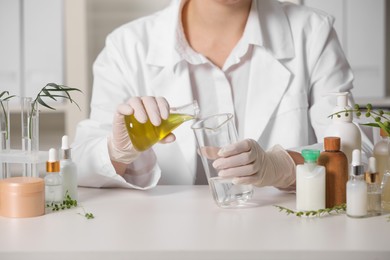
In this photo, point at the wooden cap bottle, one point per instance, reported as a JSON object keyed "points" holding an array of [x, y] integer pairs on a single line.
{"points": [[332, 143], [336, 167]]}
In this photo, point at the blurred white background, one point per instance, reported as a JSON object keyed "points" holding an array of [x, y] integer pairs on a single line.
{"points": [[57, 41]]}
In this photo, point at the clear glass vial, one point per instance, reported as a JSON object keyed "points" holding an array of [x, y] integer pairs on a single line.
{"points": [[53, 179], [381, 154], [385, 187], [374, 206]]}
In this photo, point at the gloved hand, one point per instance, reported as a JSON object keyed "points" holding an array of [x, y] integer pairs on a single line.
{"points": [[120, 147], [248, 163]]}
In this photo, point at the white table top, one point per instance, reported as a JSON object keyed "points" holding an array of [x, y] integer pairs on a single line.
{"points": [[182, 222]]}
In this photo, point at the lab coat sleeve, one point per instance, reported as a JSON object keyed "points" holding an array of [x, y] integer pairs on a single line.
{"points": [[114, 83], [90, 152], [329, 72]]}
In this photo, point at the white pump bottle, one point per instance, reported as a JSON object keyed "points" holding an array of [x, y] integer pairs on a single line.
{"points": [[343, 127]]}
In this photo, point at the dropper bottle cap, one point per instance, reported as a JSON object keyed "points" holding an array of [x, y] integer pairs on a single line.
{"points": [[371, 176], [357, 168], [52, 165], [65, 149]]}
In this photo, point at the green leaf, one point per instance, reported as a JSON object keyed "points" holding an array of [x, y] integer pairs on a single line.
{"points": [[4, 93], [6, 98], [371, 124], [47, 94], [40, 101]]}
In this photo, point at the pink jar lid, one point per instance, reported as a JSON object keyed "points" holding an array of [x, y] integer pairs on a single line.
{"points": [[22, 185]]}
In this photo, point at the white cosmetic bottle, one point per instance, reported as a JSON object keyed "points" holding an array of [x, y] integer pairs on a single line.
{"points": [[68, 170], [310, 182], [343, 127], [356, 188]]}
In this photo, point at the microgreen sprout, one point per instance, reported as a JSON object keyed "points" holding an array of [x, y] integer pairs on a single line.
{"points": [[315, 213], [68, 203]]}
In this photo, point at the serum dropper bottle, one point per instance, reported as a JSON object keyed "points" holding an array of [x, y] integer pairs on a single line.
{"points": [[53, 180], [68, 169], [356, 188], [374, 207]]}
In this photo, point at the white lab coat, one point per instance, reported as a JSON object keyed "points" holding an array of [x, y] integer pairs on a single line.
{"points": [[299, 63]]}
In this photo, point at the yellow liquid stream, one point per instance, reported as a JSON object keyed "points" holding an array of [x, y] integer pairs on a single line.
{"points": [[143, 136]]}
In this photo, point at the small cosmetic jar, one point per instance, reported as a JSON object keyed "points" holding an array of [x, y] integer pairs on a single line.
{"points": [[22, 197]]}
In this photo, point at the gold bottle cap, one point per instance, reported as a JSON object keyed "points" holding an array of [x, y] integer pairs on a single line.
{"points": [[52, 165], [371, 176]]}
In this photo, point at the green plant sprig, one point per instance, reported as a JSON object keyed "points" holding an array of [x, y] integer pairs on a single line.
{"points": [[314, 213], [5, 98], [52, 91], [381, 118], [2, 99], [87, 215], [68, 203]]}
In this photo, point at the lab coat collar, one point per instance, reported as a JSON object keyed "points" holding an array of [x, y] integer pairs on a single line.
{"points": [[275, 31], [166, 45]]}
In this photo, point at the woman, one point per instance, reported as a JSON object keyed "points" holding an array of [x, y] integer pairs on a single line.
{"points": [[269, 63]]}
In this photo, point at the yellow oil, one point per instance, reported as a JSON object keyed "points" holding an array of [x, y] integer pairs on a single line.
{"points": [[143, 136]]}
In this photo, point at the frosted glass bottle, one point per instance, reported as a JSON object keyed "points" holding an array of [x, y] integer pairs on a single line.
{"points": [[374, 206], [68, 170], [385, 187], [381, 154], [343, 127], [356, 188], [310, 182]]}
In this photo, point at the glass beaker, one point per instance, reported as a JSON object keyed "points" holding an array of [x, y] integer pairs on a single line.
{"points": [[144, 135], [212, 133]]}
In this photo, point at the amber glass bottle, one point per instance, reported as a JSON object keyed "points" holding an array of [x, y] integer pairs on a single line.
{"points": [[336, 167]]}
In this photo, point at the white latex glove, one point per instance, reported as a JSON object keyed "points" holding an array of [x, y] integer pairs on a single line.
{"points": [[248, 163], [155, 109]]}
